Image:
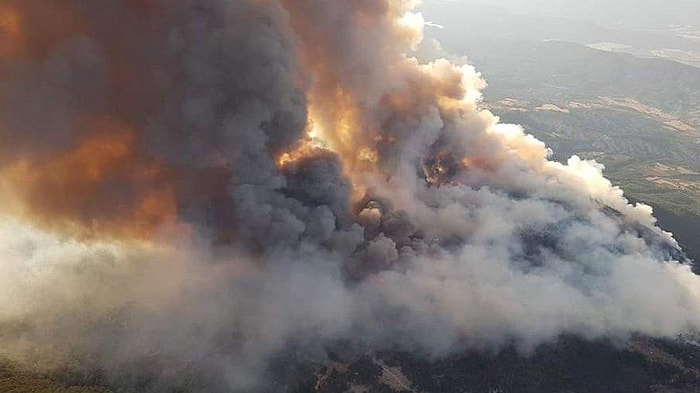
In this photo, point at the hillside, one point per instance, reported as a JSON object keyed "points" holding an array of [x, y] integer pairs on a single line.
{"points": [[639, 117], [571, 365], [16, 380]]}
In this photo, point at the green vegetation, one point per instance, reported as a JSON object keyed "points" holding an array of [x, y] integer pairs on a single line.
{"points": [[15, 380], [639, 117], [649, 160]]}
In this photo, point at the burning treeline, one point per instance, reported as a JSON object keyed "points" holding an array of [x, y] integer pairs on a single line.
{"points": [[209, 182]]}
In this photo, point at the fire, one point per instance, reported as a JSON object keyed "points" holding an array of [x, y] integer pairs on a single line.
{"points": [[335, 125], [441, 169], [368, 155], [101, 186], [476, 162], [338, 125], [337, 109], [305, 149], [445, 168]]}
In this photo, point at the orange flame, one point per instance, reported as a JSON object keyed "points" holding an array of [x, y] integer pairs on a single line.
{"points": [[305, 149]]}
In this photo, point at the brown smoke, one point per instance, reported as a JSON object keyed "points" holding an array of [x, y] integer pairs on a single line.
{"points": [[31, 28], [77, 99], [71, 189]]}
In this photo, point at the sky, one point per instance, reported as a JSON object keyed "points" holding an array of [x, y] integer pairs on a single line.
{"points": [[637, 14]]}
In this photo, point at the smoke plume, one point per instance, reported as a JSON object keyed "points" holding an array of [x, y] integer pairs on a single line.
{"points": [[192, 188]]}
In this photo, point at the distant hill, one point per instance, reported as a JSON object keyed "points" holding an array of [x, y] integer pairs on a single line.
{"points": [[518, 20], [16, 380], [558, 72], [570, 365], [640, 117], [631, 14]]}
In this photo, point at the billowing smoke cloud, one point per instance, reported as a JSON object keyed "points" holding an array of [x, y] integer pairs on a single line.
{"points": [[192, 188]]}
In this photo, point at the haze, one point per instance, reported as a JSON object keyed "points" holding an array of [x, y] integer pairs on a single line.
{"points": [[637, 14]]}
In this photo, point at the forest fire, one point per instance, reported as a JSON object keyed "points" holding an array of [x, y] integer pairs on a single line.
{"points": [[303, 143]]}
